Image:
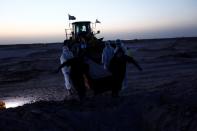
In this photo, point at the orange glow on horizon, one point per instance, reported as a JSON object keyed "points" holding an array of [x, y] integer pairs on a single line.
{"points": [[30, 30]]}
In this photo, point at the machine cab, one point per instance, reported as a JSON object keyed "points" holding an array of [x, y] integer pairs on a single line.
{"points": [[81, 28]]}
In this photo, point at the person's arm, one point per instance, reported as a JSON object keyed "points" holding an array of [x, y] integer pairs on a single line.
{"points": [[87, 77], [132, 60], [66, 63]]}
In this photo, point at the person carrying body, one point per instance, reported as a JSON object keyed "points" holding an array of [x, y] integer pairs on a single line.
{"points": [[121, 45], [65, 56], [107, 54], [118, 69], [78, 73]]}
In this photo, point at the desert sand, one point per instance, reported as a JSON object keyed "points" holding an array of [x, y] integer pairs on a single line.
{"points": [[162, 97]]}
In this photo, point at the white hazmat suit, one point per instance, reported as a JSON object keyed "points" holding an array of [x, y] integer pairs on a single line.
{"points": [[108, 53], [66, 54]]}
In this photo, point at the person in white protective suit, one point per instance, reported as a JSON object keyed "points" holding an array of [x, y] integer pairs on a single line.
{"points": [[66, 55], [107, 54]]}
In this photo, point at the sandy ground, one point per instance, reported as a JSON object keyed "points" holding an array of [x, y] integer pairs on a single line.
{"points": [[162, 97], [27, 72]]}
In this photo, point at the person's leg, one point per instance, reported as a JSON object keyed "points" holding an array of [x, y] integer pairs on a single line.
{"points": [[68, 85], [69, 88], [115, 93], [125, 82], [80, 87], [116, 87], [65, 78], [81, 92]]}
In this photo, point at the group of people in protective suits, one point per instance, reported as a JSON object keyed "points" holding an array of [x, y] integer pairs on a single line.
{"points": [[77, 69]]}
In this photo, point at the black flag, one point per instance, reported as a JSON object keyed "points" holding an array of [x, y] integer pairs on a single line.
{"points": [[70, 17]]}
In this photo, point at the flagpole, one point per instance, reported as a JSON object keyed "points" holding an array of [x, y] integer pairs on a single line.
{"points": [[66, 34], [69, 20]]}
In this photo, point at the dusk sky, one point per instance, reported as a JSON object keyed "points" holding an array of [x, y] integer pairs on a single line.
{"points": [[42, 21]]}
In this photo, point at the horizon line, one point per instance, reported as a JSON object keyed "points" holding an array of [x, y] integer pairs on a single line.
{"points": [[161, 38]]}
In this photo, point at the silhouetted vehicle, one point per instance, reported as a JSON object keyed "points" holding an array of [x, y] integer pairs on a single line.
{"points": [[85, 30]]}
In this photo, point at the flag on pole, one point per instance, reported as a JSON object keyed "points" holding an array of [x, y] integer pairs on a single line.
{"points": [[97, 21], [70, 17]]}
